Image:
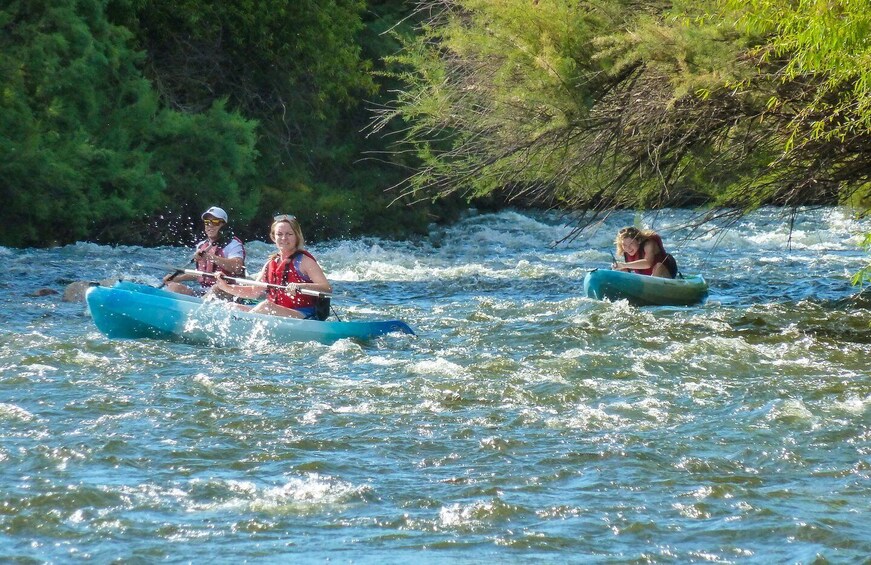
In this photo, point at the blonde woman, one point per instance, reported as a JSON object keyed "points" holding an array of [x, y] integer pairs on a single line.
{"points": [[643, 253], [292, 267]]}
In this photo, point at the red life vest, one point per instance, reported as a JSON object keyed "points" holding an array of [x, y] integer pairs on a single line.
{"points": [[209, 267], [283, 272], [658, 258]]}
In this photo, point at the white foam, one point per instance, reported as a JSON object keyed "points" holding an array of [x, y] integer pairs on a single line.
{"points": [[438, 367], [299, 495], [13, 412]]}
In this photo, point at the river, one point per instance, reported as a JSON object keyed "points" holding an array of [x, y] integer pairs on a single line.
{"points": [[524, 423]]}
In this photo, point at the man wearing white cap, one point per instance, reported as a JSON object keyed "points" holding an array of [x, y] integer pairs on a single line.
{"points": [[218, 252]]}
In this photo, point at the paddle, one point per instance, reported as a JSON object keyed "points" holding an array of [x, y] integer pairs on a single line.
{"points": [[261, 284], [175, 274], [180, 271]]}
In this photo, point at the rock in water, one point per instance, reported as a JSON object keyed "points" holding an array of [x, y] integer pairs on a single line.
{"points": [[44, 292], [75, 292]]}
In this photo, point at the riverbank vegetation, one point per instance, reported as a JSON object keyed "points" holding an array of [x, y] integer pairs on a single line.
{"points": [[596, 105], [125, 118]]}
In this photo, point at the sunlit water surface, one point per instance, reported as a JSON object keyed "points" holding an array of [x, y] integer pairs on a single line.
{"points": [[524, 422]]}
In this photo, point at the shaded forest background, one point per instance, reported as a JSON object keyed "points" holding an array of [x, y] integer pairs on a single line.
{"points": [[126, 118], [122, 120]]}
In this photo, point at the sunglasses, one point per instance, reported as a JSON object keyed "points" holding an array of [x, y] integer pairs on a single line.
{"points": [[283, 218], [213, 222]]}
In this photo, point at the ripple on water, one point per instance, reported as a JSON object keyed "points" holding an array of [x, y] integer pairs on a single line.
{"points": [[523, 423]]}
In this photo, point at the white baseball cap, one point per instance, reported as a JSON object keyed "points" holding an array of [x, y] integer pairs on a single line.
{"points": [[216, 212]]}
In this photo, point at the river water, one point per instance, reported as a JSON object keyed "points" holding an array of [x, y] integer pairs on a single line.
{"points": [[523, 422]]}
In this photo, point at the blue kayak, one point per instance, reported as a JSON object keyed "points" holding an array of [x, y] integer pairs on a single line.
{"points": [[645, 290], [130, 310]]}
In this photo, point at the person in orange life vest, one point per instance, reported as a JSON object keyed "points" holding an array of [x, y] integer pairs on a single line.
{"points": [[292, 267], [643, 253], [218, 252]]}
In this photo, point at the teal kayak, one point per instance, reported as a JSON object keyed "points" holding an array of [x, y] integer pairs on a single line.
{"points": [[130, 311], [645, 290]]}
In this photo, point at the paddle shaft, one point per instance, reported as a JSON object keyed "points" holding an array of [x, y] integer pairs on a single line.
{"points": [[258, 283], [177, 272]]}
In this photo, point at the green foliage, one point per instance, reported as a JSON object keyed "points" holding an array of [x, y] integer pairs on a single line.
{"points": [[128, 117], [556, 101], [75, 116], [301, 69], [602, 105], [89, 152], [863, 276], [490, 90], [823, 67], [293, 66], [823, 45], [206, 159], [123, 115]]}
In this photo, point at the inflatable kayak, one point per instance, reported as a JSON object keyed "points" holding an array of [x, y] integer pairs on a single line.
{"points": [[645, 290], [129, 310]]}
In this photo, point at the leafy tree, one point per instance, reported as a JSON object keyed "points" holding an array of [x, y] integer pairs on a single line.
{"points": [[596, 105], [812, 59], [75, 118], [291, 66], [207, 158], [536, 100], [88, 152], [302, 70]]}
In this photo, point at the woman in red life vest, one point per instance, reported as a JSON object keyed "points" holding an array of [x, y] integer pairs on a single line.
{"points": [[220, 251], [643, 253], [292, 267]]}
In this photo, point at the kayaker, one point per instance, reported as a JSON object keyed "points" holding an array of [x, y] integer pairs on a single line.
{"points": [[292, 267], [643, 253], [220, 251]]}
